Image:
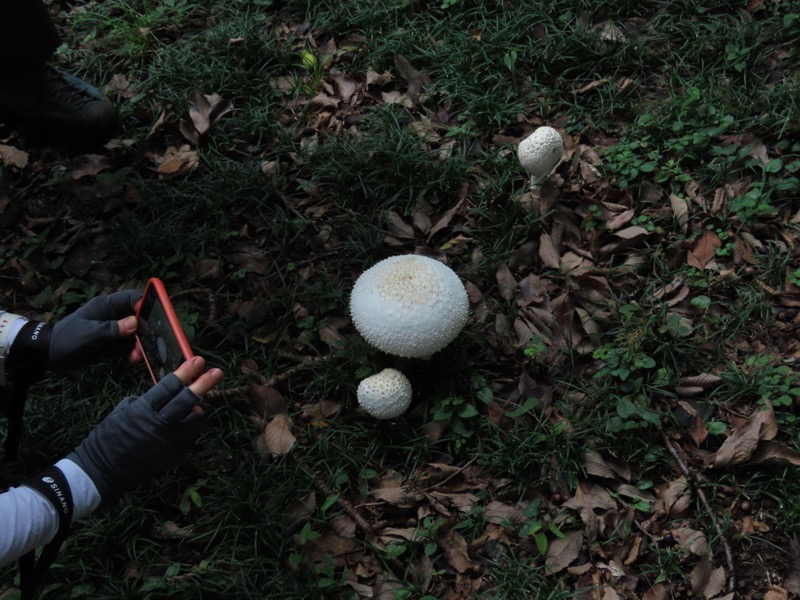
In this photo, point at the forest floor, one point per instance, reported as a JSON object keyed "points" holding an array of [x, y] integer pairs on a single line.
{"points": [[618, 418]]}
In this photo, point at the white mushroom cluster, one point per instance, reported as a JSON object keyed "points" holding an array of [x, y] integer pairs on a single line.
{"points": [[540, 152], [409, 306], [385, 395]]}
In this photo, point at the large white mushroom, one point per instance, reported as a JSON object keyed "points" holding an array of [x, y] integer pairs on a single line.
{"points": [[540, 152], [409, 306], [385, 395]]}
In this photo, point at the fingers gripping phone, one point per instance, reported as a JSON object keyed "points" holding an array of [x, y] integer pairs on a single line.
{"points": [[160, 337]]}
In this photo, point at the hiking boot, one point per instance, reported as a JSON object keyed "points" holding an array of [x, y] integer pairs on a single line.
{"points": [[58, 103]]}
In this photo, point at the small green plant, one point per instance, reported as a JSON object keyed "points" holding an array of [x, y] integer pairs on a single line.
{"points": [[624, 356], [327, 577], [535, 525], [752, 205], [535, 348], [191, 497], [644, 221], [593, 219], [426, 533], [762, 379], [460, 413], [794, 277], [628, 159], [736, 56], [633, 412], [621, 362]]}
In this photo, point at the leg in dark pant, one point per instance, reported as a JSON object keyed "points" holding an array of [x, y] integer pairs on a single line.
{"points": [[27, 35], [53, 101]]}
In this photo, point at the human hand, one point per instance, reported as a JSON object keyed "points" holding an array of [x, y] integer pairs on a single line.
{"points": [[103, 326], [146, 435]]}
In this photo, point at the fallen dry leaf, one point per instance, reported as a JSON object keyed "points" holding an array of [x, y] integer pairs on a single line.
{"points": [[323, 102], [455, 548], [119, 84], [590, 501], [607, 467], [704, 250], [750, 525], [548, 253], [345, 88], [175, 160], [501, 513], [266, 400], [703, 380], [660, 591], [13, 157], [741, 445], [773, 453], [706, 580], [204, 111], [563, 551], [776, 592], [89, 165], [506, 284], [397, 496], [691, 540], [699, 431], [675, 497], [278, 436], [792, 580], [631, 232], [398, 227], [619, 219], [300, 511], [680, 209]]}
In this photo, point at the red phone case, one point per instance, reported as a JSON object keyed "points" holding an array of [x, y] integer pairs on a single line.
{"points": [[155, 285]]}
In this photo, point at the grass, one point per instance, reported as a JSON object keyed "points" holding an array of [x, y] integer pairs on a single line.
{"points": [[290, 202]]}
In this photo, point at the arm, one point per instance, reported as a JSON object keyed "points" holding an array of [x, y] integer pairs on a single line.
{"points": [[29, 520], [104, 325], [142, 437]]}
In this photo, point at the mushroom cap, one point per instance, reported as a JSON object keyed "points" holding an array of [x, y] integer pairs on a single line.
{"points": [[409, 305], [540, 152], [385, 395]]}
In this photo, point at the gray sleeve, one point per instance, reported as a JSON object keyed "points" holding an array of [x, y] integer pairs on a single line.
{"points": [[28, 520]]}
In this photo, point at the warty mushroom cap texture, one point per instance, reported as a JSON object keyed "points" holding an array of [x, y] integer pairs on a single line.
{"points": [[385, 395], [540, 152], [410, 306]]}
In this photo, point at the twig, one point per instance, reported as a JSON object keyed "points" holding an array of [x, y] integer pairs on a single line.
{"points": [[654, 539], [272, 381], [695, 482], [352, 512], [453, 474], [218, 393], [343, 503]]}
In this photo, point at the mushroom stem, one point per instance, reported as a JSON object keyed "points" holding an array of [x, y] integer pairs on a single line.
{"points": [[531, 201]]}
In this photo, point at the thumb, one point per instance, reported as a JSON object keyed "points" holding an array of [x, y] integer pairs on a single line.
{"points": [[127, 326]]}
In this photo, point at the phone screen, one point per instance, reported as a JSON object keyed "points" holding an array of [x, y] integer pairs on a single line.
{"points": [[160, 337]]}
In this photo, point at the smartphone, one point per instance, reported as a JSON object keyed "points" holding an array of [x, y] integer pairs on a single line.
{"points": [[159, 336]]}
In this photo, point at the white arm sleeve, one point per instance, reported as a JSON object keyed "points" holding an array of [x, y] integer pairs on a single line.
{"points": [[28, 520]]}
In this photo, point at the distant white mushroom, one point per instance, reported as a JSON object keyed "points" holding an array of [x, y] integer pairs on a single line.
{"points": [[385, 395], [409, 306], [540, 152]]}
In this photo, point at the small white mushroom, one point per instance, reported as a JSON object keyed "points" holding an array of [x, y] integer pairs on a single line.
{"points": [[385, 395], [540, 152], [409, 306]]}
